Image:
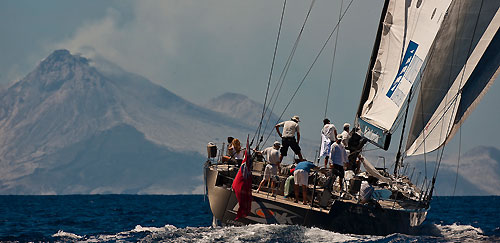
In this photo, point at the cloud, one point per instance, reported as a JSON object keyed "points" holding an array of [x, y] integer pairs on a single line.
{"points": [[136, 44], [201, 45], [201, 49], [173, 42]]}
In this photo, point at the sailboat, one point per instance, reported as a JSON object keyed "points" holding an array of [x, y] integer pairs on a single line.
{"points": [[445, 53]]}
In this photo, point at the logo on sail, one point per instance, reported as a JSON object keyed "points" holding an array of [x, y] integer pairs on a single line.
{"points": [[410, 67], [371, 134]]}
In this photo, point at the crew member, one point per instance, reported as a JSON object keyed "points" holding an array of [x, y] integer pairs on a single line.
{"points": [[288, 137], [272, 156], [345, 135], [301, 177], [338, 157], [328, 135]]}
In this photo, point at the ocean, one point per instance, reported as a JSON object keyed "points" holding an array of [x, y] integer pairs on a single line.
{"points": [[187, 218]]}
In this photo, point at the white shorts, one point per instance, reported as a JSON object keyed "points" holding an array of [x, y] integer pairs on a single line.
{"points": [[300, 176], [271, 171]]}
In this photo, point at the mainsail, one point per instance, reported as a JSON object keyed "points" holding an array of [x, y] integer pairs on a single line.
{"points": [[463, 64], [406, 33]]}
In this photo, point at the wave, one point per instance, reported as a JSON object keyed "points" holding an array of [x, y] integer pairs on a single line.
{"points": [[63, 234], [457, 232], [274, 233]]}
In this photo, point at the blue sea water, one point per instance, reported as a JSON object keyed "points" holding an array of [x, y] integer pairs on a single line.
{"points": [[187, 218]]}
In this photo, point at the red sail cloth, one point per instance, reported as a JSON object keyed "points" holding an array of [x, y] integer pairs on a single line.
{"points": [[242, 186]]}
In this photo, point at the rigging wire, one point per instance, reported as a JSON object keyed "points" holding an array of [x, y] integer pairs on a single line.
{"points": [[270, 73], [399, 118], [438, 160], [423, 143], [423, 130], [400, 115], [423, 125], [450, 125], [285, 70], [333, 59], [312, 65], [458, 162]]}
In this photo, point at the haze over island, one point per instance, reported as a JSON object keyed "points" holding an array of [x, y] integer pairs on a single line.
{"points": [[146, 84], [78, 126]]}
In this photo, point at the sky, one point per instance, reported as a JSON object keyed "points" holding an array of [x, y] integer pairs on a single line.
{"points": [[202, 49]]}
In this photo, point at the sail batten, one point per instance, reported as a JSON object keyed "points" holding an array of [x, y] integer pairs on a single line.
{"points": [[464, 65]]}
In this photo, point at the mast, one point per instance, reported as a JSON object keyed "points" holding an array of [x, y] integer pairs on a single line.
{"points": [[399, 162], [369, 76], [373, 58]]}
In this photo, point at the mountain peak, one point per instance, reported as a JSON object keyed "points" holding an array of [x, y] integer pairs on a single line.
{"points": [[62, 53], [230, 95], [63, 56], [58, 68]]}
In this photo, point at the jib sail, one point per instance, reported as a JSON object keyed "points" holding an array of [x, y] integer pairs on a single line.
{"points": [[405, 35]]}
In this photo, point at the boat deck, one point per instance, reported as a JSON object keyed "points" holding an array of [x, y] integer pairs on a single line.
{"points": [[264, 194]]}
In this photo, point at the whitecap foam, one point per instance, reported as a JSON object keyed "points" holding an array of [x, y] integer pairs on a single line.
{"points": [[320, 235], [271, 233], [253, 233], [139, 228], [459, 232], [61, 233]]}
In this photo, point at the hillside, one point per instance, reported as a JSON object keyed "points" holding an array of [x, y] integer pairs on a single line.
{"points": [[78, 126], [75, 126]]}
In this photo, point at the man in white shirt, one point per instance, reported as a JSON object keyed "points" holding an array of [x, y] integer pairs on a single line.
{"points": [[272, 156], [338, 158], [345, 134], [288, 137], [328, 136]]}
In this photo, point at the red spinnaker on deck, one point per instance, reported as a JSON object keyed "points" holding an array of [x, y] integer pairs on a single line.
{"points": [[242, 185]]}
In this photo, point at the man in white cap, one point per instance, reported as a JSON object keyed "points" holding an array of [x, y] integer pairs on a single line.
{"points": [[288, 137], [272, 156], [328, 136], [338, 159], [345, 134]]}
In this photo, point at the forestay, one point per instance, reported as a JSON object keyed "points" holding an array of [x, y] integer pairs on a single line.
{"points": [[405, 35], [464, 63]]}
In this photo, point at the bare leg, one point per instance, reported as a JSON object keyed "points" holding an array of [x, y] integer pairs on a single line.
{"points": [[273, 189], [300, 157], [304, 194], [341, 182], [296, 192], [260, 185]]}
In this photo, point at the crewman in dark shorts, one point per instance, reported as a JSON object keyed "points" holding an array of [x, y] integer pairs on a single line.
{"points": [[288, 137], [338, 159]]}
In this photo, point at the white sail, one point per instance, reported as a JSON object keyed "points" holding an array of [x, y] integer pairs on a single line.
{"points": [[409, 31], [464, 65]]}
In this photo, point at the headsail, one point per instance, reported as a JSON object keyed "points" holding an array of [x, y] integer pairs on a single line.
{"points": [[464, 63], [405, 35]]}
